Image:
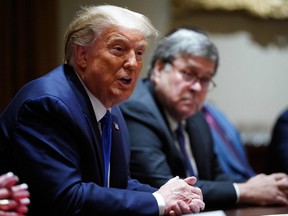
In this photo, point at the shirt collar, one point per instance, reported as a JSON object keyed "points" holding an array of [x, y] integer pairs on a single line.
{"points": [[99, 109], [173, 124]]}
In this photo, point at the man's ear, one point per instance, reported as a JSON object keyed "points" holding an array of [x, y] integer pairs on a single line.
{"points": [[158, 67], [157, 70], [80, 56]]}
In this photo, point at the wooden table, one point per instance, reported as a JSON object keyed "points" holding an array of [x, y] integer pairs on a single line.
{"points": [[256, 211]]}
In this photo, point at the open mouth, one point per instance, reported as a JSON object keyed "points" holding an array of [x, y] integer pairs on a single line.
{"points": [[126, 80]]}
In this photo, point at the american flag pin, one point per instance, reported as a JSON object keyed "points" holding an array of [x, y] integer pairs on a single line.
{"points": [[116, 126]]}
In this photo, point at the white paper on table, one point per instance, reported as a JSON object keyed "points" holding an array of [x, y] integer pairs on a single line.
{"points": [[209, 213]]}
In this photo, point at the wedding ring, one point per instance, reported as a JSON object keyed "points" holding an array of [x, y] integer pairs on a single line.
{"points": [[4, 204]]}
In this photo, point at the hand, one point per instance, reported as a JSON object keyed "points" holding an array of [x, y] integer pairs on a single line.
{"points": [[181, 197], [282, 182], [14, 198], [265, 190]]}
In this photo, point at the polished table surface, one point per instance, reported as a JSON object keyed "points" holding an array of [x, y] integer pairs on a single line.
{"points": [[256, 211], [247, 211]]}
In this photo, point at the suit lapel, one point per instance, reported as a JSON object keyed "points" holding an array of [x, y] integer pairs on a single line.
{"points": [[88, 113], [177, 159]]}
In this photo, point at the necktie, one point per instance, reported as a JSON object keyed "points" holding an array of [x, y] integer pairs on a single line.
{"points": [[214, 124], [106, 125], [181, 141]]}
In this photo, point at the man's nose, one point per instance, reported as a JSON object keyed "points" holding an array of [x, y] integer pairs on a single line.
{"points": [[131, 61], [196, 85]]}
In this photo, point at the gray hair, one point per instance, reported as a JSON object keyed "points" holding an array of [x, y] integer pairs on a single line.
{"points": [[184, 41], [91, 20]]}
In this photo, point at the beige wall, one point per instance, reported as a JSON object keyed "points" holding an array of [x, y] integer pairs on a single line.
{"points": [[252, 80]]}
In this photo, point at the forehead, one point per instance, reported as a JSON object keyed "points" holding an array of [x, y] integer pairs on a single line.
{"points": [[196, 62], [128, 35]]}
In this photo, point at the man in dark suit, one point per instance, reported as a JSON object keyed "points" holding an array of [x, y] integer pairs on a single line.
{"points": [[180, 75], [52, 132], [277, 154]]}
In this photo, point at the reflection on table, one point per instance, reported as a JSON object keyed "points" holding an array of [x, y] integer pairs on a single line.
{"points": [[256, 211], [246, 211]]}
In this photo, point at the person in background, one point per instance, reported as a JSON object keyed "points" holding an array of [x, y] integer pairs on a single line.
{"points": [[64, 134], [164, 113], [228, 144], [277, 151], [14, 197]]}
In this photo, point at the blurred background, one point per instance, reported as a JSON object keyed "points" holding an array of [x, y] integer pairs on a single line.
{"points": [[252, 38]]}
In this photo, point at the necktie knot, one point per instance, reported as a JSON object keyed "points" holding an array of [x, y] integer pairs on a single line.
{"points": [[106, 121], [179, 130]]}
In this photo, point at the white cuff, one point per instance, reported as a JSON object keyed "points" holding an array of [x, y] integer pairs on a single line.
{"points": [[237, 192], [161, 203]]}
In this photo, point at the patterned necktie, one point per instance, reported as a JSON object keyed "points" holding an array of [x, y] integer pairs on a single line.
{"points": [[106, 125], [181, 141]]}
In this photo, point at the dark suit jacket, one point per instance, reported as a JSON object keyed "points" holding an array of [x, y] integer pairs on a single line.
{"points": [[154, 157], [50, 139], [278, 149]]}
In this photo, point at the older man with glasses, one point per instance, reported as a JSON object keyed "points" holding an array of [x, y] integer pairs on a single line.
{"points": [[163, 114]]}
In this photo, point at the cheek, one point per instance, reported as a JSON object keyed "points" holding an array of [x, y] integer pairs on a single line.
{"points": [[174, 85], [137, 74], [201, 101], [202, 97]]}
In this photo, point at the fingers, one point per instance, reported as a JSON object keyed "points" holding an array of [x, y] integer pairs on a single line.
{"points": [[281, 198], [4, 193], [20, 191], [8, 180], [179, 208], [181, 197], [282, 201], [23, 208], [171, 213], [173, 209], [6, 204], [197, 191], [14, 199], [190, 180], [16, 206], [185, 209], [194, 208], [197, 205], [279, 176], [2, 213]]}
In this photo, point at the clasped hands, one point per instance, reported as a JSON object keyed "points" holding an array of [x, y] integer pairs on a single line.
{"points": [[265, 190], [14, 198], [181, 197]]}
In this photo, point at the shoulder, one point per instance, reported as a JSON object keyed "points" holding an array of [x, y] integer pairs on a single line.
{"points": [[198, 120], [140, 101], [284, 115]]}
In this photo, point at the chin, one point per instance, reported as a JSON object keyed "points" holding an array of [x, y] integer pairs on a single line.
{"points": [[191, 112]]}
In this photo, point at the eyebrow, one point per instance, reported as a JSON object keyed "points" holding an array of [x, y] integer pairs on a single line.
{"points": [[120, 38]]}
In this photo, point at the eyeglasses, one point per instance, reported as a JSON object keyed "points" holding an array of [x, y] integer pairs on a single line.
{"points": [[206, 83]]}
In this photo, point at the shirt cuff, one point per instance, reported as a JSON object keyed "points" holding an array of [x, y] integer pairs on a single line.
{"points": [[237, 192], [161, 203]]}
